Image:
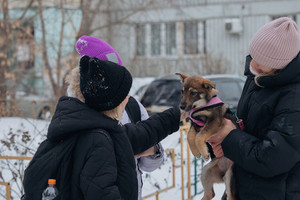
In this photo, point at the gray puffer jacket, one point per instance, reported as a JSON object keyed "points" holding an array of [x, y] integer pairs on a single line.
{"points": [[145, 163]]}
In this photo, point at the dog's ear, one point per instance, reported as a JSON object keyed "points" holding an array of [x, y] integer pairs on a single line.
{"points": [[207, 84], [210, 86], [182, 76]]}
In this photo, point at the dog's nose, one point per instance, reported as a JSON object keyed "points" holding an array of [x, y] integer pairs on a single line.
{"points": [[182, 107]]}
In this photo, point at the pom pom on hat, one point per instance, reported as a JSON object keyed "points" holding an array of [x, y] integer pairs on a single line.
{"points": [[94, 47], [103, 84], [276, 43]]}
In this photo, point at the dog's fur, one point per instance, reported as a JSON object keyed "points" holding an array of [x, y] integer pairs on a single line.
{"points": [[197, 92]]}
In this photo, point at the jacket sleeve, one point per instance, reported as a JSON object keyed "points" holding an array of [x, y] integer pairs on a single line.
{"points": [[144, 114], [99, 174], [277, 152], [150, 163], [146, 134]]}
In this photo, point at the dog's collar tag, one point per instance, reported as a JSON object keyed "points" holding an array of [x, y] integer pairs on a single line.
{"points": [[241, 124], [213, 102]]}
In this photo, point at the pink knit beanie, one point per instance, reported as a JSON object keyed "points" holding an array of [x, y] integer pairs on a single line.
{"points": [[276, 43], [94, 47]]}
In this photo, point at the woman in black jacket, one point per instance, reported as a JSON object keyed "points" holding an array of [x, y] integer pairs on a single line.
{"points": [[267, 152], [104, 166]]}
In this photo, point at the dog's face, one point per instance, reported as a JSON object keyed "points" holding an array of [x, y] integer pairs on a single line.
{"points": [[196, 91]]}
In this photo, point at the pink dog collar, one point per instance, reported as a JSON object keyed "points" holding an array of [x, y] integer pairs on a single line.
{"points": [[213, 102]]}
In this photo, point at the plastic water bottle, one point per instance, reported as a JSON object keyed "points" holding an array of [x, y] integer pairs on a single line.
{"points": [[51, 191]]}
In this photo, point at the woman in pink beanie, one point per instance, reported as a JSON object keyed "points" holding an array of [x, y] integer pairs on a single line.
{"points": [[267, 152]]}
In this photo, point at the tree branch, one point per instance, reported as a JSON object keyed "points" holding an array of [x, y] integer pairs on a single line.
{"points": [[58, 64], [121, 20], [4, 65], [85, 11], [44, 47], [25, 10], [94, 12]]}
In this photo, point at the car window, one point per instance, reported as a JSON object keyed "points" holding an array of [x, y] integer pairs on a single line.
{"points": [[167, 92], [229, 90], [140, 90], [162, 92]]}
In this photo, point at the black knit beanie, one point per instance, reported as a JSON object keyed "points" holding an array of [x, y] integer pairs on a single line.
{"points": [[103, 84]]}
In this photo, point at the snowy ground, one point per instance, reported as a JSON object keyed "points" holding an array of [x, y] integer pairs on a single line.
{"points": [[18, 137], [162, 177], [21, 137]]}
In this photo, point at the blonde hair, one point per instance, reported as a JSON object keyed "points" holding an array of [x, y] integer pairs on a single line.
{"points": [[73, 82], [273, 72], [115, 113]]}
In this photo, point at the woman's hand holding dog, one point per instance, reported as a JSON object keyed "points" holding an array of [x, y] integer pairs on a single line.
{"points": [[216, 140]]}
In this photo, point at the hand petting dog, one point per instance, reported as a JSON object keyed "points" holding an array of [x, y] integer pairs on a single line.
{"points": [[216, 140]]}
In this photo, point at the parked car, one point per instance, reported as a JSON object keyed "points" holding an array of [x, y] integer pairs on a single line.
{"points": [[165, 92], [36, 107], [140, 92], [29, 106]]}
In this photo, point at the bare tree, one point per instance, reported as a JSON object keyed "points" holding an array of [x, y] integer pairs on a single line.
{"points": [[21, 140], [7, 55], [4, 62], [55, 66], [90, 10]]}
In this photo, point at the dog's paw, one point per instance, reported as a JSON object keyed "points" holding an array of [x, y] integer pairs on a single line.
{"points": [[207, 198], [197, 154], [206, 157]]}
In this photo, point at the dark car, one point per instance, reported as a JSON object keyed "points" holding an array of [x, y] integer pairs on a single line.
{"points": [[164, 92]]}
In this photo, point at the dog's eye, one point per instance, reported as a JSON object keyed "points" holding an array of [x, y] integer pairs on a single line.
{"points": [[193, 93]]}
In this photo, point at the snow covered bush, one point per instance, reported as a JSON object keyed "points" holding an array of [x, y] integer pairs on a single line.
{"points": [[18, 137]]}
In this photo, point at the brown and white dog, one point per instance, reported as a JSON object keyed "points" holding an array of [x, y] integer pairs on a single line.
{"points": [[207, 113]]}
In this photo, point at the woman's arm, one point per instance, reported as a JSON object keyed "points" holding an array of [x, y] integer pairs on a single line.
{"points": [[275, 154], [146, 134]]}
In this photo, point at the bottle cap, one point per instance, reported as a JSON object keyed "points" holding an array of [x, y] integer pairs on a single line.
{"points": [[51, 181]]}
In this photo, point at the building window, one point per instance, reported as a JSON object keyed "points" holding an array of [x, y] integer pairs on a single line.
{"points": [[155, 39], [25, 47], [191, 38], [141, 40], [293, 17], [170, 38], [159, 39]]}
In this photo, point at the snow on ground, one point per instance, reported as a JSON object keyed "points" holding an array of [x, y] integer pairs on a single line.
{"points": [[162, 177], [18, 137], [16, 129], [21, 137]]}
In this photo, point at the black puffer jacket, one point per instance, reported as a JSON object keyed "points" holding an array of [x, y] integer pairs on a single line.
{"points": [[104, 166], [267, 152]]}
